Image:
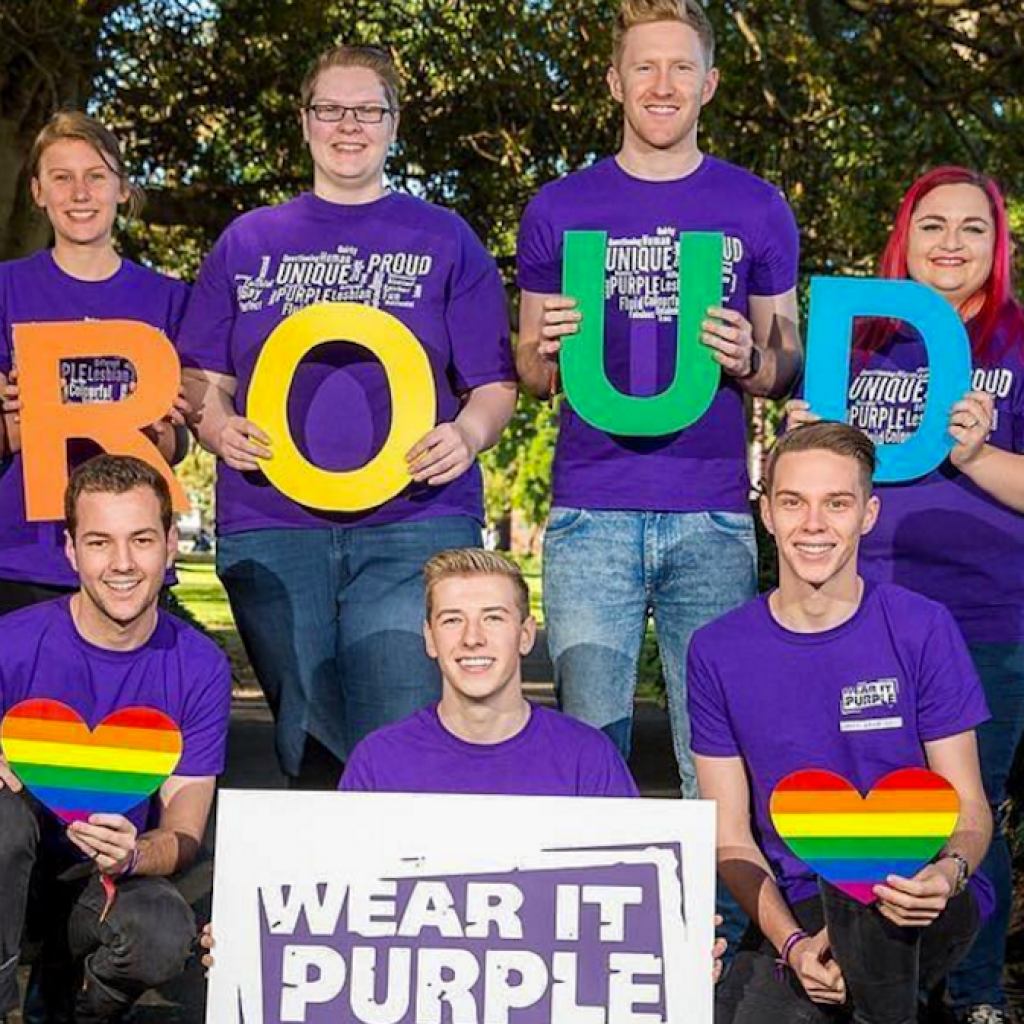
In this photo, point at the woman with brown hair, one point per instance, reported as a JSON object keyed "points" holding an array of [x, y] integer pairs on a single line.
{"points": [[80, 182]]}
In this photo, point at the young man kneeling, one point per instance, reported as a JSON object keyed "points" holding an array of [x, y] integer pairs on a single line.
{"points": [[484, 736], [773, 688]]}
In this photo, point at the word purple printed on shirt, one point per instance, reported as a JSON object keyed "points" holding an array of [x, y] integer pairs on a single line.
{"points": [[701, 468]]}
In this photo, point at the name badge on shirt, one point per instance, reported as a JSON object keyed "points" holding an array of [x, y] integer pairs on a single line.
{"points": [[867, 706]]}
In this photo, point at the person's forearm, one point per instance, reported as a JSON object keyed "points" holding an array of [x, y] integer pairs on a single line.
{"points": [[171, 441], [164, 851], [778, 372], [212, 406], [999, 473], [487, 412], [748, 877], [536, 373], [973, 833]]}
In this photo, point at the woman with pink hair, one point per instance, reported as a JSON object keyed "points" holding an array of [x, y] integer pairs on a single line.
{"points": [[957, 534]]}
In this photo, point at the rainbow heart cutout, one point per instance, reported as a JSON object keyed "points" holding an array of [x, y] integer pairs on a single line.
{"points": [[75, 771], [854, 842]]}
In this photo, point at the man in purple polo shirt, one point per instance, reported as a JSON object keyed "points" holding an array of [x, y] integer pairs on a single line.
{"points": [[96, 892], [835, 673], [656, 525], [484, 736]]}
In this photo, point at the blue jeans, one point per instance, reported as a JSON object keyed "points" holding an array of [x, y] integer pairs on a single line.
{"points": [[979, 979], [332, 621], [605, 573]]}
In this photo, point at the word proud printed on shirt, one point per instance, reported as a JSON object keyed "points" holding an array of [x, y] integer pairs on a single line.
{"points": [[347, 274]]}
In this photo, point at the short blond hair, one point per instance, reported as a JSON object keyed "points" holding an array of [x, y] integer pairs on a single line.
{"points": [[76, 126], [644, 12], [474, 562], [377, 60]]}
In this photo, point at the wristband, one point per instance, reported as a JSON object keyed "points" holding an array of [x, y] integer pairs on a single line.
{"points": [[782, 960], [130, 865]]}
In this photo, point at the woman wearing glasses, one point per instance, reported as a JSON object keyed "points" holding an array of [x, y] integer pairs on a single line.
{"points": [[330, 605]]}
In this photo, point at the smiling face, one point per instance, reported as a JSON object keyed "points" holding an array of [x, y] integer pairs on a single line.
{"points": [[80, 192], [951, 242], [349, 156], [478, 636], [818, 509], [121, 553], [662, 83]]}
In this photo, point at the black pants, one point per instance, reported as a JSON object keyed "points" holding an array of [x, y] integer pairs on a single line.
{"points": [[885, 966], [46, 896], [15, 594]]}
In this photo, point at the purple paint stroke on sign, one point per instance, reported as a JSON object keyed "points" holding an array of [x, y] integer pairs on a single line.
{"points": [[392, 967]]}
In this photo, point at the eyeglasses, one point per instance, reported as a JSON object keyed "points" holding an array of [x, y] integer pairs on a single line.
{"points": [[334, 112]]}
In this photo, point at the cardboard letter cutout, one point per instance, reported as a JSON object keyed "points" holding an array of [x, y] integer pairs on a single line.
{"points": [[48, 422], [413, 404], [835, 301], [592, 394]]}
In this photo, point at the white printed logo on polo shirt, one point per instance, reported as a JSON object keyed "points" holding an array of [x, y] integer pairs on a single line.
{"points": [[868, 706]]}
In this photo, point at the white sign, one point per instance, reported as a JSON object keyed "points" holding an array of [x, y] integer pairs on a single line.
{"points": [[357, 908]]}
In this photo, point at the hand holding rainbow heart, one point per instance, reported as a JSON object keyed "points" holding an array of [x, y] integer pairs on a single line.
{"points": [[76, 772], [856, 842]]}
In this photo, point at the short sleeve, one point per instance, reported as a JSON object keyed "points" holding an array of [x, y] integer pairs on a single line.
{"points": [[604, 773], [950, 699], [358, 774], [178, 306], [205, 725], [476, 317], [776, 262], [538, 250], [204, 339], [711, 732]]}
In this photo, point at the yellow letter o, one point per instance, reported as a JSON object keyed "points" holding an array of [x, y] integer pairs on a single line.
{"points": [[413, 404]]}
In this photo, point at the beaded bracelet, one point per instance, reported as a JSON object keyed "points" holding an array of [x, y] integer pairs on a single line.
{"points": [[782, 960]]}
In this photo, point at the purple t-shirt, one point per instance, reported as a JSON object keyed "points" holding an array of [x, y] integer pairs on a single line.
{"points": [[416, 261], [941, 535], [178, 671], [860, 700], [36, 290], [553, 755], [701, 468]]}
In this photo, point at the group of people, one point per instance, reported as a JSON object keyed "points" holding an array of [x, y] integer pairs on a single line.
{"points": [[388, 645]]}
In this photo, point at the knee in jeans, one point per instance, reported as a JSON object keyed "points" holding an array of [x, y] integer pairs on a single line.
{"points": [[154, 933], [19, 830]]}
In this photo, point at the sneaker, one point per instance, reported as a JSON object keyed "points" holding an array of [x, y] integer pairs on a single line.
{"points": [[985, 1013]]}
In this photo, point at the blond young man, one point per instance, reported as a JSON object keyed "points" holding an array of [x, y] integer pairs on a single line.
{"points": [[483, 736]]}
